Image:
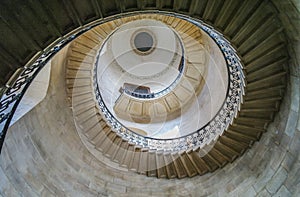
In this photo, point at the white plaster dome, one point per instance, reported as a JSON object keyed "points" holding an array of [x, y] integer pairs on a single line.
{"points": [[130, 42], [161, 80]]}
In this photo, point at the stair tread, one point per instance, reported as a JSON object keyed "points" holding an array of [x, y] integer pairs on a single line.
{"points": [[188, 165], [179, 167], [170, 168]]}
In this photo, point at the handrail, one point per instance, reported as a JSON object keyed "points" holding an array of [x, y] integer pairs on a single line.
{"points": [[162, 92], [2, 91], [13, 92], [167, 89], [212, 129], [11, 96]]}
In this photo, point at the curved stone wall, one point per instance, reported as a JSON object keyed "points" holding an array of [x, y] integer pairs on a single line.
{"points": [[43, 156], [41, 160]]}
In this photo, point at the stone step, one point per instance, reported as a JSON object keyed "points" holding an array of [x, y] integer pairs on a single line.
{"points": [[103, 31], [120, 154], [81, 99], [211, 162], [262, 100], [249, 130], [267, 58], [257, 114], [274, 104], [254, 22], [275, 91], [196, 57], [101, 137], [197, 161], [114, 148], [89, 113], [83, 46], [143, 163], [191, 32], [179, 167], [181, 27], [78, 82], [74, 64], [79, 56], [81, 104], [227, 152], [226, 13], [128, 157], [82, 50], [237, 136], [77, 74], [266, 71], [237, 146], [152, 168], [87, 125], [88, 41], [174, 23], [97, 134], [191, 41], [262, 110], [161, 167], [93, 132], [242, 14], [168, 19], [258, 35], [257, 122], [74, 91], [211, 11], [170, 167], [93, 38], [194, 47], [83, 107], [218, 157], [188, 165], [108, 143], [135, 161], [265, 46], [274, 80]]}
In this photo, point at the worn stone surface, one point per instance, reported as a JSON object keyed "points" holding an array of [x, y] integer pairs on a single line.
{"points": [[295, 144], [292, 123], [283, 192], [275, 183], [263, 193], [40, 159]]}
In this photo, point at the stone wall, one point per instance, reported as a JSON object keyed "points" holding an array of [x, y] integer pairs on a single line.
{"points": [[43, 155]]}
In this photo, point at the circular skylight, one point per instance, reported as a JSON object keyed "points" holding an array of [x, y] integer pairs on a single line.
{"points": [[143, 41]]}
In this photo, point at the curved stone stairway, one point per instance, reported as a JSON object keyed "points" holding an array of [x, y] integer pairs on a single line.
{"points": [[190, 84], [264, 56]]}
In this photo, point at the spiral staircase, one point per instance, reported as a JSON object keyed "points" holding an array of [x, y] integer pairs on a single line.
{"points": [[265, 84], [252, 27]]}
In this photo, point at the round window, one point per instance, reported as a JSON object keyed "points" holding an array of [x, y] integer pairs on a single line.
{"points": [[143, 42]]}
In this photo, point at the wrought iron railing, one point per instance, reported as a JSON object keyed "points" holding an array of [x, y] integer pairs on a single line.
{"points": [[211, 130], [162, 92], [12, 93], [171, 86]]}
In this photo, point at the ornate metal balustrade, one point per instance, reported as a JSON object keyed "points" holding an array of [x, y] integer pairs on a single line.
{"points": [[211, 130], [12, 93], [162, 92]]}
